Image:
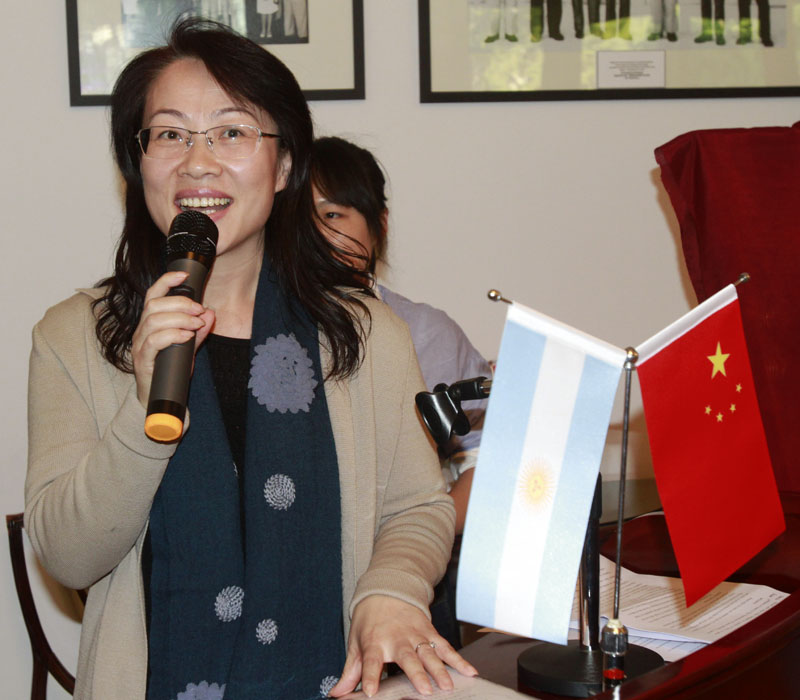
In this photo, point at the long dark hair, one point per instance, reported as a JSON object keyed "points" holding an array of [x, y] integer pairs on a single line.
{"points": [[350, 176], [298, 252]]}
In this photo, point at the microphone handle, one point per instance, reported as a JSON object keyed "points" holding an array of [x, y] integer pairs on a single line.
{"points": [[469, 389], [172, 371], [194, 284]]}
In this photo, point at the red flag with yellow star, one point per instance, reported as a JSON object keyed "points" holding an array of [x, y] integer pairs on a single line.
{"points": [[710, 455]]}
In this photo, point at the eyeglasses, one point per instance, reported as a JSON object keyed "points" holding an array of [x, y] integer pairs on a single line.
{"points": [[228, 141]]}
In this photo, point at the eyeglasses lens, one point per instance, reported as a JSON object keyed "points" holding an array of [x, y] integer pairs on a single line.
{"points": [[229, 141]]}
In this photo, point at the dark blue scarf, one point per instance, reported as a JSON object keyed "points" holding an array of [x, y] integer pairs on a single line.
{"points": [[253, 615]]}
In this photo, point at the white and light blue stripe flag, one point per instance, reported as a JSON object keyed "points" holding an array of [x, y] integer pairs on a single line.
{"points": [[543, 439]]}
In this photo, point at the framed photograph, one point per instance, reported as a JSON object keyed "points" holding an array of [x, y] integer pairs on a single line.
{"points": [[514, 50], [322, 41]]}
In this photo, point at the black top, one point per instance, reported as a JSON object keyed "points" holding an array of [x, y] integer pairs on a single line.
{"points": [[230, 364]]}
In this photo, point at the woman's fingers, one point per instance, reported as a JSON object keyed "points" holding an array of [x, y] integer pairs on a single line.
{"points": [[451, 657], [162, 321], [351, 675], [429, 655], [184, 310], [371, 669], [209, 318], [157, 299], [412, 664], [164, 283], [387, 629], [160, 338], [165, 320], [433, 654]]}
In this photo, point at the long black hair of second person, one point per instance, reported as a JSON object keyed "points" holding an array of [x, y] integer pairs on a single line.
{"points": [[350, 176]]}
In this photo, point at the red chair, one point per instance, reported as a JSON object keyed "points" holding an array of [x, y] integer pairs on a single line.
{"points": [[44, 659], [735, 193]]}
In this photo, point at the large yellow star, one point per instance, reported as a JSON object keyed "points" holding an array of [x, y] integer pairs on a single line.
{"points": [[718, 361]]}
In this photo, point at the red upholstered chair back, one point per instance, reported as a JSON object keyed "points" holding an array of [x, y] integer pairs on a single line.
{"points": [[736, 193]]}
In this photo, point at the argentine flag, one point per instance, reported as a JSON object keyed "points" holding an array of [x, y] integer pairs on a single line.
{"points": [[543, 438]]}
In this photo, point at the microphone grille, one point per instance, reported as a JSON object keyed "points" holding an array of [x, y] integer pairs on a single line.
{"points": [[192, 232]]}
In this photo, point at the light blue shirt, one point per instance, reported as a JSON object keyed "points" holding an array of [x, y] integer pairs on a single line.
{"points": [[445, 355]]}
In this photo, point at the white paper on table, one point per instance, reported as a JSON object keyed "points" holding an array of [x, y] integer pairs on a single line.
{"points": [[668, 649], [654, 606], [466, 688]]}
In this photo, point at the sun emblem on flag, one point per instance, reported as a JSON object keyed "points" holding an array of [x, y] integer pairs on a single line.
{"points": [[537, 483]]}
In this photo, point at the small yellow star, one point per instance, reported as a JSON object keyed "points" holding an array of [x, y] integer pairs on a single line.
{"points": [[708, 410], [718, 361], [738, 388], [719, 418], [733, 408]]}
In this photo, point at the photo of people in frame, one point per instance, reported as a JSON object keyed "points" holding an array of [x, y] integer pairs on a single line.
{"points": [[621, 24], [145, 22]]}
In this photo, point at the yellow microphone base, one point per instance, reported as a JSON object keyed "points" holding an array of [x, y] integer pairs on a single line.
{"points": [[163, 427]]}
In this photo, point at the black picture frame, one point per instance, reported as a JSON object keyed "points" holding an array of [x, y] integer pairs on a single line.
{"points": [[101, 38], [458, 65]]}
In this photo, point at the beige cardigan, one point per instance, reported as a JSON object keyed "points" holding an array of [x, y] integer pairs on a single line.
{"points": [[92, 476]]}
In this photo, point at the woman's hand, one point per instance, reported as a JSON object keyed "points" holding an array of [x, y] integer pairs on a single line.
{"points": [[386, 629], [165, 320]]}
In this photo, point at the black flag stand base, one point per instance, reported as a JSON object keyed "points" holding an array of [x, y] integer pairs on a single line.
{"points": [[573, 670], [576, 670]]}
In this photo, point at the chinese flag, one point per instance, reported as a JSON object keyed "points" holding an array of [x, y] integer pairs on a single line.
{"points": [[710, 455]]}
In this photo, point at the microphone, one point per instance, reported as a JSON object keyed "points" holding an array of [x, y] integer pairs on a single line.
{"points": [[441, 408], [191, 247]]}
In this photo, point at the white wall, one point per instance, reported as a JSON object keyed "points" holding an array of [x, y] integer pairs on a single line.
{"points": [[558, 204]]}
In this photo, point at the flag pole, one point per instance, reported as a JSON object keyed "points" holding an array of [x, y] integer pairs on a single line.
{"points": [[614, 637], [630, 364], [589, 577], [497, 295]]}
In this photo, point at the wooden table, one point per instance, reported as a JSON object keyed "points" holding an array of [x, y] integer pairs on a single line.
{"points": [[759, 661]]}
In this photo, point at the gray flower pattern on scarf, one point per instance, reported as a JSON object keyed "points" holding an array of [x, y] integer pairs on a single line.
{"points": [[279, 491], [282, 375], [327, 685], [228, 604], [267, 631], [203, 691]]}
